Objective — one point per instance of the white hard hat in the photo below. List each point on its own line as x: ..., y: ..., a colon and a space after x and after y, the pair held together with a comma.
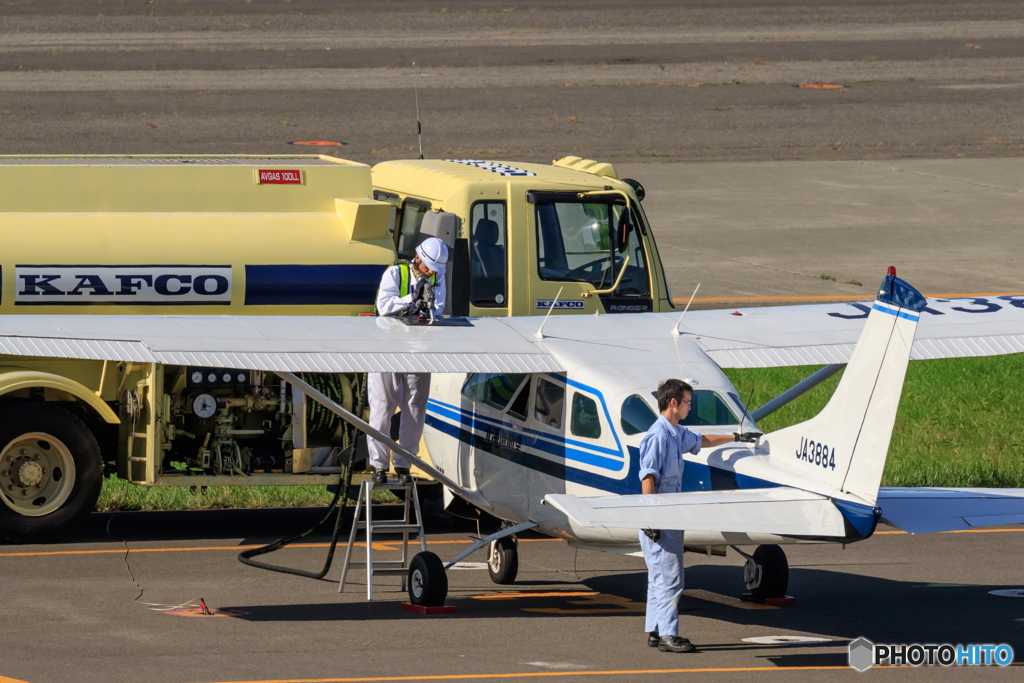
x: 434, y: 254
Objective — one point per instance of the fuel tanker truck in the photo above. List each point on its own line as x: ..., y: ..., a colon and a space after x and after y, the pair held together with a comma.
x: 265, y: 235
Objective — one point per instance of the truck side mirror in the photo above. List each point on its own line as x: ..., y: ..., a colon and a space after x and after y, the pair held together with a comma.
x: 625, y: 227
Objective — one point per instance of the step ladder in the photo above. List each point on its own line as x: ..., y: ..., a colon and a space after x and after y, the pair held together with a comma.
x: 405, y: 525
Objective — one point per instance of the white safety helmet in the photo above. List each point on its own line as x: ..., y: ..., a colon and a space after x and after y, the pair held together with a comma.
x: 434, y: 254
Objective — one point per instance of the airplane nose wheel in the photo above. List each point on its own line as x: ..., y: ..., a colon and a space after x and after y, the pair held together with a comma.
x: 428, y: 583
x: 503, y: 561
x: 766, y: 573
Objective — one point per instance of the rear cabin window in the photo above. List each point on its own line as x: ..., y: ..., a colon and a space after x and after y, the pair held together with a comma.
x: 549, y: 405
x: 585, y: 421
x: 637, y: 416
x: 493, y: 390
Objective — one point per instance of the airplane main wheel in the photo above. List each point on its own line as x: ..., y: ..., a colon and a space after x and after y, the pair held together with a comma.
x: 503, y: 563
x: 51, y: 472
x: 428, y: 582
x: 769, y: 577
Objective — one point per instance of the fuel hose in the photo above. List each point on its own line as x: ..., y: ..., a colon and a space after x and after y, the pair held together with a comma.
x: 344, y: 481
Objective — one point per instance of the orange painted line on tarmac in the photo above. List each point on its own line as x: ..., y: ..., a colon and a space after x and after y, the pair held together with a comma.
x: 4, y: 679
x: 379, y: 545
x: 844, y: 297
x: 538, y: 674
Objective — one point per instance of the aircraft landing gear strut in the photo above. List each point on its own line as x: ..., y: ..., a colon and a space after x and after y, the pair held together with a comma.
x: 428, y: 583
x: 766, y: 573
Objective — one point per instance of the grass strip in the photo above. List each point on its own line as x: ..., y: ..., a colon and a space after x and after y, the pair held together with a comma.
x: 953, y: 427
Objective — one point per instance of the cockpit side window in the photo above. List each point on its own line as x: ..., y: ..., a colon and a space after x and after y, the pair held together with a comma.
x: 493, y: 390
x: 549, y: 405
x: 637, y: 417
x: 707, y: 408
x: 585, y: 420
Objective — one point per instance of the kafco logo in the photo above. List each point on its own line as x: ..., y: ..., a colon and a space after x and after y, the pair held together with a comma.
x: 864, y: 654
x: 134, y: 285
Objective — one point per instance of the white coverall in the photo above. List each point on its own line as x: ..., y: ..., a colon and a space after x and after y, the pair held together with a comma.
x: 661, y: 454
x: 407, y: 391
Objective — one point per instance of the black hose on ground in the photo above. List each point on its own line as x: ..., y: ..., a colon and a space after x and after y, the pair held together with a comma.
x: 344, y: 482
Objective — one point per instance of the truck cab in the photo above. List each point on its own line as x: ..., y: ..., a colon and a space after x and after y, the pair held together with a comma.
x: 571, y: 235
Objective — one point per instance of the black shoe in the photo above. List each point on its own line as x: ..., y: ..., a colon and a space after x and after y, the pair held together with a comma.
x: 403, y: 475
x: 380, y: 476
x: 675, y: 644
x: 653, y: 639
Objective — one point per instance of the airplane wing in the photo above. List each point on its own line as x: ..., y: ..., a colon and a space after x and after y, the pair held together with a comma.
x: 780, y: 510
x: 279, y: 343
x: 826, y: 334
x: 927, y: 510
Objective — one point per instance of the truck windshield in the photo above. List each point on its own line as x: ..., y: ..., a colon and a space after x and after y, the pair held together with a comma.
x: 576, y: 242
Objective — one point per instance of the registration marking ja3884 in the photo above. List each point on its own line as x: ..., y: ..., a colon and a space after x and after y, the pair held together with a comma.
x: 816, y: 453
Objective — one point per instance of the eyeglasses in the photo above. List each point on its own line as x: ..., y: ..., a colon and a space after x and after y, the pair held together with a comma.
x: 686, y: 402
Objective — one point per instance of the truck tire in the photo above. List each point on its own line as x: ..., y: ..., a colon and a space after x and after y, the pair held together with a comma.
x: 51, y: 472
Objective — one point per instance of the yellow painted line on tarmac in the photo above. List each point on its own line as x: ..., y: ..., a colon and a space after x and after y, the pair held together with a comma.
x: 538, y: 674
x: 835, y: 297
x: 513, y: 596
x: 4, y: 679
x: 379, y: 545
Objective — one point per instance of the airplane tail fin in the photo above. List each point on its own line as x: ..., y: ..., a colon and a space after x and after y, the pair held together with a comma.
x: 846, y: 444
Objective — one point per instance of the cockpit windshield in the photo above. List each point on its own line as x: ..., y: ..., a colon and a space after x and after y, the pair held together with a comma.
x: 578, y: 241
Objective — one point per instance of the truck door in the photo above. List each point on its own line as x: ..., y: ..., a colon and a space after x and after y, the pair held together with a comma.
x: 588, y: 244
x: 488, y: 259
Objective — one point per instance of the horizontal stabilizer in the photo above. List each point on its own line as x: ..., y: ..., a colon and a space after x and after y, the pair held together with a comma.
x: 927, y: 510
x: 781, y: 511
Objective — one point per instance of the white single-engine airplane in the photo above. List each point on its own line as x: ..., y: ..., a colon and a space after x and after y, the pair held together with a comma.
x: 541, y: 427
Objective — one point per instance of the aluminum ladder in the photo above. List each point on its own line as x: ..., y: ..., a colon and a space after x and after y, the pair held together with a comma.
x: 405, y: 525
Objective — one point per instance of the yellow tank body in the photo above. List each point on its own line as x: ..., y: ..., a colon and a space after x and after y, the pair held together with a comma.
x: 190, y: 235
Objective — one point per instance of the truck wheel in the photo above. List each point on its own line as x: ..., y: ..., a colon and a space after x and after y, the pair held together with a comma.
x: 503, y: 564
x: 50, y: 472
x: 428, y: 584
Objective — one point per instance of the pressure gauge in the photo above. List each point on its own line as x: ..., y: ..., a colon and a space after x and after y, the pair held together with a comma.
x: 227, y: 377
x: 197, y: 377
x: 204, y: 406
x: 241, y: 378
x: 211, y: 378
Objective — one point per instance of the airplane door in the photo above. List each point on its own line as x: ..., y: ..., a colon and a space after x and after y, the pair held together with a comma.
x: 497, y: 405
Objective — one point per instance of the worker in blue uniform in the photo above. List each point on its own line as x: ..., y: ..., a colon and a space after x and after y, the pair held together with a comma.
x: 401, y: 288
x: 661, y: 471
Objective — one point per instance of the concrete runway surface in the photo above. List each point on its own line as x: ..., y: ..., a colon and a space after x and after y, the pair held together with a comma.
x: 757, y: 187
x: 88, y: 610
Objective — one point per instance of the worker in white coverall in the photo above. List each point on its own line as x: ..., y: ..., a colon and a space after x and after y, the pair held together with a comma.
x: 661, y: 471
x: 401, y: 289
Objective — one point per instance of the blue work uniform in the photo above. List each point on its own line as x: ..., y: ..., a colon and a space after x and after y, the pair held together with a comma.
x: 661, y: 454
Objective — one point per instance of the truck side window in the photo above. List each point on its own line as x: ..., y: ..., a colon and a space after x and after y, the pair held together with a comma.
x: 413, y: 211
x: 393, y: 200
x: 549, y: 404
x: 488, y: 255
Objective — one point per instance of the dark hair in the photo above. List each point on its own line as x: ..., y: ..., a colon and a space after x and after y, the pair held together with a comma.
x: 672, y: 389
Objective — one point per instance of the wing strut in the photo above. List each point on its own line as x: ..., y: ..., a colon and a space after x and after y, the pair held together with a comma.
x: 326, y: 402
x: 797, y: 390
x: 481, y: 542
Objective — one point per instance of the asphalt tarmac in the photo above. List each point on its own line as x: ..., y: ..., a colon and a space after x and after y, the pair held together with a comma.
x: 90, y: 610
